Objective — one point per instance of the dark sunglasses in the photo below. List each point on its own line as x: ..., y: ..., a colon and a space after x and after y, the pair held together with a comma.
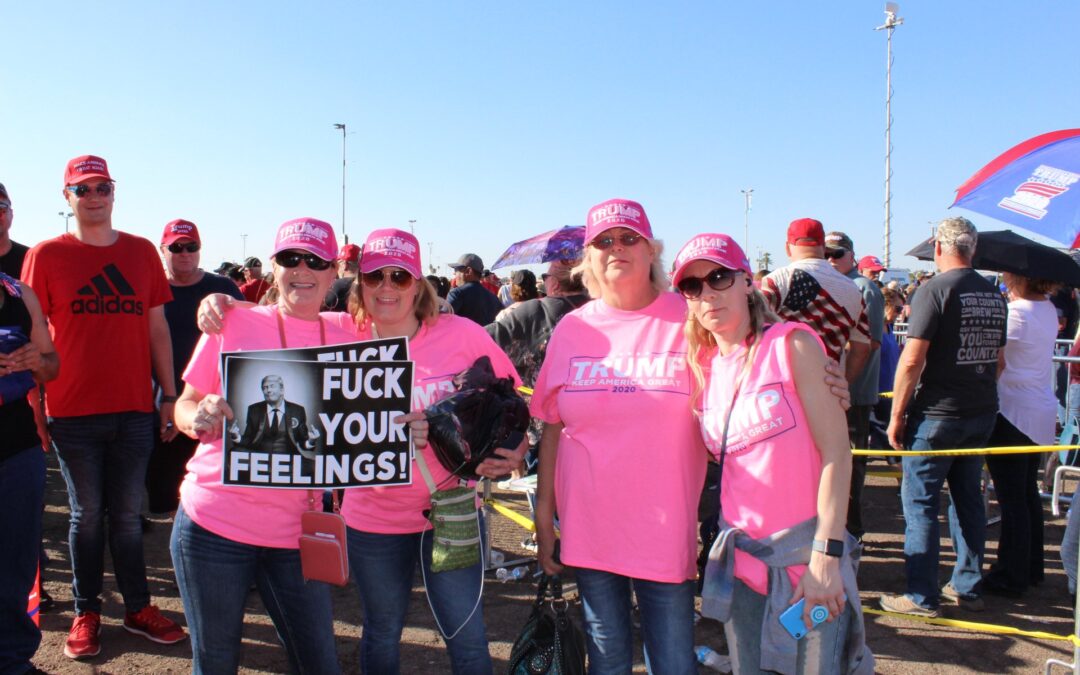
x: 719, y: 280
x: 399, y: 279
x: 835, y: 253
x: 190, y: 247
x: 605, y: 242
x: 103, y: 189
x: 291, y: 259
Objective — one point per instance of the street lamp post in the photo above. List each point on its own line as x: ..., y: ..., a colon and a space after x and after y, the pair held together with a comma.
x: 344, y: 235
x: 891, y: 22
x: 412, y: 223
x: 243, y: 247
x: 747, y: 196
x: 66, y: 216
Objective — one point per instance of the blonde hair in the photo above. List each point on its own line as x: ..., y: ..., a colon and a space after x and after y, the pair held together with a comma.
x: 701, y: 344
x: 425, y: 306
x: 657, y: 276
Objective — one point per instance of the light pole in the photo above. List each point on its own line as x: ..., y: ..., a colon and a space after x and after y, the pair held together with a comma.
x: 66, y: 216
x: 411, y: 226
x: 430, y: 256
x: 243, y: 247
x: 747, y: 196
x: 891, y: 22
x: 344, y: 235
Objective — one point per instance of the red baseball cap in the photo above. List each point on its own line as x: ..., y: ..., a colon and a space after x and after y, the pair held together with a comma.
x: 349, y: 253
x: 85, y: 167
x: 806, y: 232
x: 718, y: 248
x: 871, y: 263
x: 617, y: 213
x: 179, y: 229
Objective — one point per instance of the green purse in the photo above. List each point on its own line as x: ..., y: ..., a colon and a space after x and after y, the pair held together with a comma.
x: 456, y: 524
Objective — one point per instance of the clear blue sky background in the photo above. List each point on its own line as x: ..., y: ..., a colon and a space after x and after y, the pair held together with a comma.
x: 488, y: 122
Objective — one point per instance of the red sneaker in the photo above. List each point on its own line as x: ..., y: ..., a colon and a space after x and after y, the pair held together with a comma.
x: 84, y: 640
x: 149, y: 623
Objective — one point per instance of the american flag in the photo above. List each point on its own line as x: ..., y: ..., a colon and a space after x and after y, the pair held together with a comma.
x: 812, y: 292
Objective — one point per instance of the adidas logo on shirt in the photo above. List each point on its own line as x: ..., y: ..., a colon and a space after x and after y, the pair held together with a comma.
x: 107, y: 293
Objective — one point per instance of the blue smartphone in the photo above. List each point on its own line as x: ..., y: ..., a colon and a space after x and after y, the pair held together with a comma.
x: 792, y: 618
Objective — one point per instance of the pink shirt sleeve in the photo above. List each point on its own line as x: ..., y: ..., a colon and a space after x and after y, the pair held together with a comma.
x: 202, y: 371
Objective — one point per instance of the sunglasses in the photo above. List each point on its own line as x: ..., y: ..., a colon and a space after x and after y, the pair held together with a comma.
x: 190, y: 247
x: 399, y: 279
x: 719, y: 280
x: 80, y: 191
x: 835, y: 253
x: 605, y: 242
x: 291, y: 259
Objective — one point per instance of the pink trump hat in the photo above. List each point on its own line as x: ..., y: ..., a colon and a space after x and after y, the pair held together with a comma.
x: 391, y: 248
x: 718, y: 248
x: 307, y: 234
x: 617, y: 213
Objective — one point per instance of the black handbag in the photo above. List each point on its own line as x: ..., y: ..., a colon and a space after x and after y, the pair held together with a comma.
x: 550, y: 642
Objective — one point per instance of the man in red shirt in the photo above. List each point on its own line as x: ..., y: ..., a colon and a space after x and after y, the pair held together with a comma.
x: 103, y: 293
x: 254, y: 286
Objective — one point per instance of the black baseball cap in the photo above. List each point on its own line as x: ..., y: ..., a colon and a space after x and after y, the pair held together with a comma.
x: 470, y: 260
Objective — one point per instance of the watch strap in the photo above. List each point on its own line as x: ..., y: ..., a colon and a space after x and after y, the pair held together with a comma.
x: 831, y: 547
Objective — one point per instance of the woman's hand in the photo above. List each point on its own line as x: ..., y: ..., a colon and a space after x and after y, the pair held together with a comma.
x: 210, y: 416
x: 505, y: 460
x: 821, y: 585
x: 838, y: 384
x: 546, y: 544
x: 211, y: 314
x: 418, y: 426
x: 26, y: 357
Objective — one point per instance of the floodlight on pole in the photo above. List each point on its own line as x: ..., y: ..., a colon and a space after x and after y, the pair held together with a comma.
x: 891, y: 22
x: 66, y: 216
x: 344, y: 235
x: 748, y: 198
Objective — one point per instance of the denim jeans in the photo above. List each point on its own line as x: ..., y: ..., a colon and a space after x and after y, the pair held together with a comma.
x: 1070, y: 545
x: 384, y: 566
x: 921, y: 495
x: 103, y: 460
x: 822, y: 650
x: 22, y: 488
x: 214, y: 575
x: 667, y: 623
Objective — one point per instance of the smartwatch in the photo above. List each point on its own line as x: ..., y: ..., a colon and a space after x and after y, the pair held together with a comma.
x: 833, y: 548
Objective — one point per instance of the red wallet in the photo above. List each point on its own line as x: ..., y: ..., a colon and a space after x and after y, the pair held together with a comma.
x: 324, y: 554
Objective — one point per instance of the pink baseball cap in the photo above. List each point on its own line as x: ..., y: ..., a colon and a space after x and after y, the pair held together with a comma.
x: 718, y: 248
x: 617, y: 213
x: 307, y: 234
x: 871, y: 263
x: 179, y: 229
x: 391, y: 248
x: 85, y: 167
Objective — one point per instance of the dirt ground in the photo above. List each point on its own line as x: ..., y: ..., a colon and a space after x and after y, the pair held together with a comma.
x: 900, y: 646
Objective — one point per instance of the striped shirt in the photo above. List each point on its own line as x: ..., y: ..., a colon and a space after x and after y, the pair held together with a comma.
x: 810, y: 291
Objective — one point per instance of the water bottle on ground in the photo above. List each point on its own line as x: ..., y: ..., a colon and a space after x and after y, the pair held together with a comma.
x: 712, y: 660
x: 516, y: 574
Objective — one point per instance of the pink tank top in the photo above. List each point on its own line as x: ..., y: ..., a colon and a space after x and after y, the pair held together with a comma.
x: 773, y: 468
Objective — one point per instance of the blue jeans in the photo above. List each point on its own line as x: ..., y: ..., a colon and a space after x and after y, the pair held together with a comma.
x: 921, y: 496
x: 214, y: 575
x: 667, y: 623
x: 384, y: 566
x: 22, y: 489
x: 103, y: 459
x: 822, y: 650
x: 1070, y: 545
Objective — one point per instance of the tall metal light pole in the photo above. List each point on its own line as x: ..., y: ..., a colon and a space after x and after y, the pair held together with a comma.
x: 344, y: 235
x: 747, y: 196
x: 243, y: 247
x: 891, y: 22
x: 412, y: 223
x: 66, y: 216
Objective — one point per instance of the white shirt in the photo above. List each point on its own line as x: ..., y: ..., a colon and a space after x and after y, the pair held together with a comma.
x: 1025, y: 389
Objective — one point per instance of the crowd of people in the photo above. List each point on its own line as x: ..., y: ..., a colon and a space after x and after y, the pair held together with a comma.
x: 688, y: 431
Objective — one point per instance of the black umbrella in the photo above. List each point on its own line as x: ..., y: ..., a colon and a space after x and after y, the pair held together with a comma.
x: 1006, y: 251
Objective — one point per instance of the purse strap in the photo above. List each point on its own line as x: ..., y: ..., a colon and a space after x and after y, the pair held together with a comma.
x: 333, y: 499
x: 747, y: 363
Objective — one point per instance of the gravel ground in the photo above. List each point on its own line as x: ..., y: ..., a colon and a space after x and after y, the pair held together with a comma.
x: 900, y: 646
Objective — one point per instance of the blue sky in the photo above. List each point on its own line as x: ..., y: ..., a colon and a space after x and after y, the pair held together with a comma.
x: 488, y: 122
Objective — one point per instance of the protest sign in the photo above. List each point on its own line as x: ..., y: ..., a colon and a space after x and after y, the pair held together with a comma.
x: 319, y: 417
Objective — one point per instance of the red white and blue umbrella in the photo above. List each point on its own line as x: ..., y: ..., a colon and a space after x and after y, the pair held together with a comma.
x: 565, y: 243
x: 1035, y: 185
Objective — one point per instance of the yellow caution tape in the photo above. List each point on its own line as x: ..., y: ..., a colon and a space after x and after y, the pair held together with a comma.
x: 513, y: 515
x: 886, y: 473
x: 885, y: 394
x: 975, y: 626
x: 525, y: 390
x: 1003, y: 450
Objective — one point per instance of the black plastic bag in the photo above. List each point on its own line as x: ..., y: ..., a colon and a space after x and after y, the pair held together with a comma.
x: 485, y: 413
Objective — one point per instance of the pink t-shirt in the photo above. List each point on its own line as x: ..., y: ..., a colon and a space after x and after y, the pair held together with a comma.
x: 439, y: 353
x: 630, y: 462
x: 255, y: 516
x: 773, y: 468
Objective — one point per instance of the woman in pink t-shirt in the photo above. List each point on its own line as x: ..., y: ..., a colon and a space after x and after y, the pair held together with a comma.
x: 769, y: 418
x: 620, y: 457
x: 226, y: 538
